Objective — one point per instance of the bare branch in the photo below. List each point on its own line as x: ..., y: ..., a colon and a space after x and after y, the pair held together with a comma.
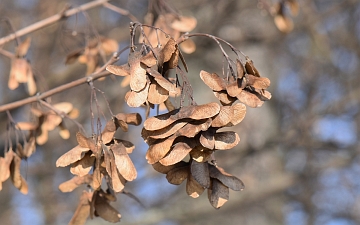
x: 51, y: 20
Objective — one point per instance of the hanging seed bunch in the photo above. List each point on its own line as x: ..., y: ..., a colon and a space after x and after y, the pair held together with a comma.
x: 94, y: 53
x: 107, y: 157
x: 21, y: 71
x: 246, y: 85
x: 192, y: 131
x: 10, y: 164
x: 148, y: 73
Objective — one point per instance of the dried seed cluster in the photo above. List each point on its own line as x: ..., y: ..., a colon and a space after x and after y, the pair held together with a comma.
x: 94, y: 51
x: 148, y: 74
x: 107, y: 157
x: 200, y: 176
x: 48, y: 121
x: 247, y: 86
x: 11, y: 162
x: 192, y: 131
x: 21, y: 71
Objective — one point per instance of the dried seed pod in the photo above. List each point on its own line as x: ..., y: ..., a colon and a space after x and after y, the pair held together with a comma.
x: 104, y: 209
x: 226, y: 140
x: 123, y: 162
x: 84, y: 165
x: 193, y: 188
x: 178, y: 152
x: 200, y: 171
x: 71, y: 156
x: 82, y: 211
x: 178, y: 174
x: 76, y: 181
x: 227, y: 179
x: 213, y: 80
x: 218, y: 194
x: 196, y: 112
x: 165, y: 169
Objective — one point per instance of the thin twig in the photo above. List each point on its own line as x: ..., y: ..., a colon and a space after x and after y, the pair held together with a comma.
x: 51, y: 20
x: 120, y: 11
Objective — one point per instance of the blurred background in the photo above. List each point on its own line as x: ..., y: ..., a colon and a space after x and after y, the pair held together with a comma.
x: 299, y: 153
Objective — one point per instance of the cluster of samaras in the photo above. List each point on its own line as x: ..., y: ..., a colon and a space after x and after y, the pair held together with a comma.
x: 107, y: 157
x: 148, y: 74
x: 191, y: 133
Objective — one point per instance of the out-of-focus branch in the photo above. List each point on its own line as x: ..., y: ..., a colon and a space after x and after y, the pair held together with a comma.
x: 51, y: 20
x: 100, y: 73
x: 120, y: 11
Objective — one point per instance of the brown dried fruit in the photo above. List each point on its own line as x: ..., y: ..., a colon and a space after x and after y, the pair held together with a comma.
x: 104, y: 209
x: 123, y: 162
x: 193, y: 188
x: 213, y: 80
x: 200, y: 171
x: 76, y: 181
x: 226, y: 140
x: 196, y: 112
x: 178, y: 174
x: 136, y: 99
x: 71, y: 156
x: 178, y: 152
x: 227, y: 179
x: 82, y: 211
x: 84, y: 165
x: 165, y: 169
x: 219, y: 194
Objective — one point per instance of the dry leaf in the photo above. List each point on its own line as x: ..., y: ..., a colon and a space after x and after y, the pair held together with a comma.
x: 109, y: 45
x: 109, y: 130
